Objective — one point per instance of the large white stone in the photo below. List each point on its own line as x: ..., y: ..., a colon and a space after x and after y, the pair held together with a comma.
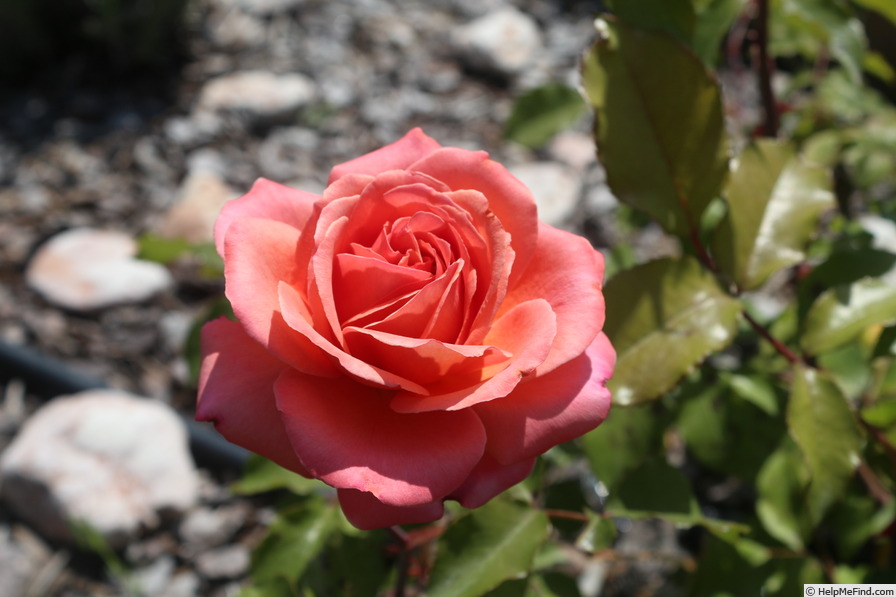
x: 506, y: 41
x: 557, y: 189
x: 108, y: 458
x: 257, y: 94
x: 83, y: 269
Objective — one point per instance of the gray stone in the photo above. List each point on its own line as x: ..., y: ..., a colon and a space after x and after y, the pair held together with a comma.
x: 230, y: 561
x: 107, y: 458
x: 557, y: 189
x: 257, y: 95
x: 83, y: 269
x: 506, y: 41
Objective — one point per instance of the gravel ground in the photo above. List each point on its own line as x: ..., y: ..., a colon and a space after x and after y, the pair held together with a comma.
x: 85, y: 151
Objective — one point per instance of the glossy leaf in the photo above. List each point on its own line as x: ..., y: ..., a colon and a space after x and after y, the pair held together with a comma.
x: 541, y: 113
x: 840, y: 314
x: 487, y: 547
x: 885, y: 7
x: 664, y: 318
x: 825, y: 429
x: 294, y: 540
x: 623, y: 442
x: 659, y: 124
x: 781, y: 505
x: 774, y: 202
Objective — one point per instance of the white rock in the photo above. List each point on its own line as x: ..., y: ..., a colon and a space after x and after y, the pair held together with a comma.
x: 574, y: 148
x: 108, y: 458
x: 84, y: 269
x: 506, y: 41
x: 230, y: 561
x: 556, y: 187
x: 257, y: 94
x: 202, y: 195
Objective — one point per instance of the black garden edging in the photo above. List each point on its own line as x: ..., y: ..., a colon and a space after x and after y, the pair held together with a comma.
x: 47, y: 378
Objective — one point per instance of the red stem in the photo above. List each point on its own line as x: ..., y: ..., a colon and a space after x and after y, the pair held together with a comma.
x: 765, y: 70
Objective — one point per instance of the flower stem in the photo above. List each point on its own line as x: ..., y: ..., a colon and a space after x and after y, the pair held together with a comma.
x: 765, y: 70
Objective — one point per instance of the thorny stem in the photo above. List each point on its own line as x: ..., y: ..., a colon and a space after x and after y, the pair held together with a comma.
x: 782, y: 349
x: 765, y: 70
x: 403, y: 562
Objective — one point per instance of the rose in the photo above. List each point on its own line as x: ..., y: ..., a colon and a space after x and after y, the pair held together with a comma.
x: 414, y: 334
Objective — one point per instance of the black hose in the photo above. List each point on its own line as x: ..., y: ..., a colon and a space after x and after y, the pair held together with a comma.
x: 47, y: 378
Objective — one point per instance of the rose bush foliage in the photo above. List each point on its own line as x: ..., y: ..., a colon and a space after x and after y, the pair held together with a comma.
x: 414, y: 334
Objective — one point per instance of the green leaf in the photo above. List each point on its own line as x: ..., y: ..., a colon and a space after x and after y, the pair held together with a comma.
x: 826, y: 431
x: 675, y: 17
x: 723, y: 571
x: 840, y: 314
x: 885, y: 7
x: 714, y: 20
x: 541, y: 113
x: 659, y: 124
x: 727, y: 433
x: 599, y: 534
x: 781, y: 503
x: 857, y: 518
x: 260, y: 475
x: 294, y: 540
x: 848, y: 43
x: 664, y: 318
x: 774, y: 202
x: 483, y: 549
x: 623, y: 442
x: 160, y: 249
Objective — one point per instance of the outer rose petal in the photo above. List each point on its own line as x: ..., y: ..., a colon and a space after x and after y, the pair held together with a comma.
x: 243, y: 407
x: 347, y: 436
x: 490, y: 478
x: 259, y: 255
x: 567, y: 272
x: 395, y: 156
x: 269, y: 201
x: 564, y: 404
x: 366, y: 512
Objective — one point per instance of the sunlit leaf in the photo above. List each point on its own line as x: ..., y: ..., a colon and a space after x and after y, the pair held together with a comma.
x: 541, y: 113
x: 487, y: 547
x: 664, y: 318
x: 825, y: 429
x: 840, y: 314
x: 261, y: 475
x: 294, y: 540
x: 774, y: 202
x: 659, y: 124
x: 160, y: 249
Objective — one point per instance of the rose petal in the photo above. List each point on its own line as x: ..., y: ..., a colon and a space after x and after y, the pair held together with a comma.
x: 362, y: 283
x: 490, y: 478
x: 551, y: 409
x: 567, y: 272
x: 425, y: 361
x: 259, y: 255
x: 367, y: 513
x: 346, y: 434
x: 508, y: 198
x: 526, y: 332
x: 296, y: 317
x: 269, y: 201
x: 396, y: 156
x: 243, y: 407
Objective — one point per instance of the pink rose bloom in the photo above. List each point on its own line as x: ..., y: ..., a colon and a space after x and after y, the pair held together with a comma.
x: 413, y: 335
